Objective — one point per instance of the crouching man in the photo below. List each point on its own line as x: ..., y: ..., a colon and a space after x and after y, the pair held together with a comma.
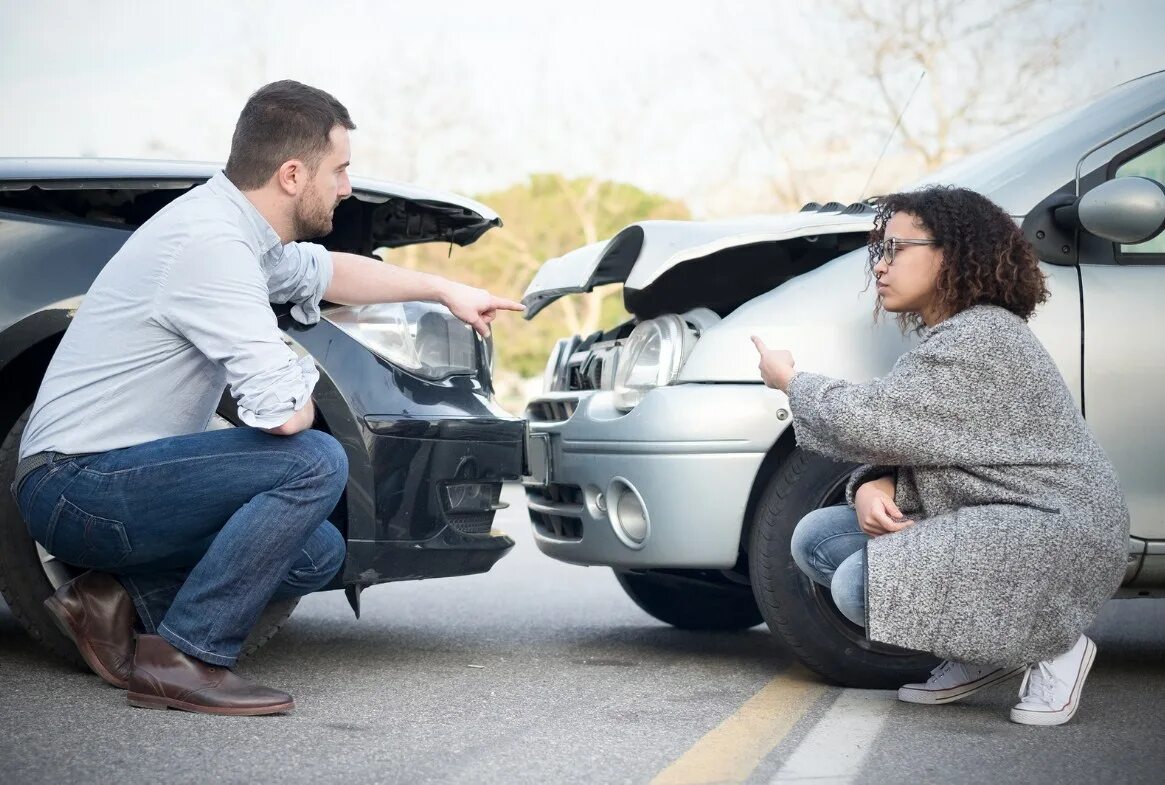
x: 189, y: 534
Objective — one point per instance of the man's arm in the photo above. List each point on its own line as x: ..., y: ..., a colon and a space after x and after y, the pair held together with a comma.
x: 216, y: 297
x: 360, y: 280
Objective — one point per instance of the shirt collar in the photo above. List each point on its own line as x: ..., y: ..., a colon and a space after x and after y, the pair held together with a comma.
x: 266, y: 237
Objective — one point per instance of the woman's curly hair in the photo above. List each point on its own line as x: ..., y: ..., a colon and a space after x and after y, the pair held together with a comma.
x: 986, y: 259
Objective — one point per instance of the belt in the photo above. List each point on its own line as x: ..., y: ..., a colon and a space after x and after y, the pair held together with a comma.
x: 31, y: 464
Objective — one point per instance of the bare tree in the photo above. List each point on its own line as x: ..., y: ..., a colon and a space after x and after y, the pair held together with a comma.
x: 986, y: 67
x: 976, y: 72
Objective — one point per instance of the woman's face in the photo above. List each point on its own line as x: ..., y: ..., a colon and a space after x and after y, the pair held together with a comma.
x: 907, y: 283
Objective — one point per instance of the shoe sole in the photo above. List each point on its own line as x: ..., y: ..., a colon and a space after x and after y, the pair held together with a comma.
x: 952, y: 694
x: 1047, y: 718
x: 155, y: 702
x: 65, y: 623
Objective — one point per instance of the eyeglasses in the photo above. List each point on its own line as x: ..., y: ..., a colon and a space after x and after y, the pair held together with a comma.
x: 893, y: 245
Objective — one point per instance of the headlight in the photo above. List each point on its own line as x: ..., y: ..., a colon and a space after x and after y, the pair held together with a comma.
x: 651, y: 357
x: 424, y: 339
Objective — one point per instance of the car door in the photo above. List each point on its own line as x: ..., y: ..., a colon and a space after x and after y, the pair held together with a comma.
x: 1123, y: 293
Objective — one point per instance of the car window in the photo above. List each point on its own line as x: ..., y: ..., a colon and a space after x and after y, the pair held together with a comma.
x: 1151, y: 164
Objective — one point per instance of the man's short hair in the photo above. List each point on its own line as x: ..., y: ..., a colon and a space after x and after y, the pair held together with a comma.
x: 282, y: 121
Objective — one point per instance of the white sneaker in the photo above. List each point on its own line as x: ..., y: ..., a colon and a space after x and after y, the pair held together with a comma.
x: 1050, y: 693
x: 952, y: 680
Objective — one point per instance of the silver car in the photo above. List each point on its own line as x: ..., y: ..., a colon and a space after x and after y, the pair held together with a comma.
x: 655, y: 449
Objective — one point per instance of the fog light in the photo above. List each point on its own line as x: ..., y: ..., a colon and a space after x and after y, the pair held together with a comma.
x: 470, y: 497
x: 628, y: 513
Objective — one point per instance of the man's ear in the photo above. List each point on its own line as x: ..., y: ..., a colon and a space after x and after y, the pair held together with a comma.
x: 291, y: 176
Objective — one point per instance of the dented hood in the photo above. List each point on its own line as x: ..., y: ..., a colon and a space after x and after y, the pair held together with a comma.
x: 639, y: 254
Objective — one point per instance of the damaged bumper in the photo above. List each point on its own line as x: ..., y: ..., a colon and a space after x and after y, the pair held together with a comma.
x: 436, y: 488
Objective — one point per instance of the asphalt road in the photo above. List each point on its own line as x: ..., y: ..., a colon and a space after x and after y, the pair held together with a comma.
x: 539, y: 672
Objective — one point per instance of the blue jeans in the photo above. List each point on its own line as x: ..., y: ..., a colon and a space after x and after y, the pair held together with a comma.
x: 830, y: 548
x: 202, y: 530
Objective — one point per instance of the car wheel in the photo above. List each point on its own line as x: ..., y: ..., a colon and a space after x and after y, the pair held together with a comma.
x: 799, y: 611
x: 691, y: 599
x: 29, y: 573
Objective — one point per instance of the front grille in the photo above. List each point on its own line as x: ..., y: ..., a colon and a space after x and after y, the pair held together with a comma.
x: 593, y: 369
x: 556, y: 511
x: 558, y: 410
x: 587, y: 364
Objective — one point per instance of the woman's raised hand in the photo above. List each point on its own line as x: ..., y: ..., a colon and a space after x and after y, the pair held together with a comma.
x: 776, y: 365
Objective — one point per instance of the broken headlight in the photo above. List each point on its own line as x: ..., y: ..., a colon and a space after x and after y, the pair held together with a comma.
x: 422, y: 338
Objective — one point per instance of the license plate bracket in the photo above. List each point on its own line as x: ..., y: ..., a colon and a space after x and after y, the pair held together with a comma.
x: 537, y: 459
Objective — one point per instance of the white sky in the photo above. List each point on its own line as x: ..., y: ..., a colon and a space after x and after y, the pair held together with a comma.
x: 458, y: 95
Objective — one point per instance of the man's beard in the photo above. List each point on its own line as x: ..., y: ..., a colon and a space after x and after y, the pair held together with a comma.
x: 312, y: 217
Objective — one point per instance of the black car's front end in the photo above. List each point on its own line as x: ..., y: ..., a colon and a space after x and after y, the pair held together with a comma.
x: 407, y: 390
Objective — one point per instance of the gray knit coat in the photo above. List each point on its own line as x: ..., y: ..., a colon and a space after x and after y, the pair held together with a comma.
x: 1022, y: 529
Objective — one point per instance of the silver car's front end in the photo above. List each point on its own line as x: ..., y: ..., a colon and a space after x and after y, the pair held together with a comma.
x: 663, y: 485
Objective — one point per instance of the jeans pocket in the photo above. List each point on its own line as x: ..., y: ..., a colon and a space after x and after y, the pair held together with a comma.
x: 84, y: 539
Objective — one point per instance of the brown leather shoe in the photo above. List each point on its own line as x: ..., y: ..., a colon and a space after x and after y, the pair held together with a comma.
x: 166, y: 678
x: 96, y: 614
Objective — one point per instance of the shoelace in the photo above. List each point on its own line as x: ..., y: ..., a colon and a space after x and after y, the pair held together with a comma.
x: 940, y: 671
x: 1039, y: 685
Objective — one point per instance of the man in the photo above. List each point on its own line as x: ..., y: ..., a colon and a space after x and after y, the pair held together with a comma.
x: 189, y: 534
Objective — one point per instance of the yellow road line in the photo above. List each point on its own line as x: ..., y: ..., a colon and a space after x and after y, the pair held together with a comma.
x: 730, y: 751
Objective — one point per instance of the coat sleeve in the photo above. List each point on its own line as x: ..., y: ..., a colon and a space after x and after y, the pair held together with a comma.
x: 863, y: 475
x: 926, y: 411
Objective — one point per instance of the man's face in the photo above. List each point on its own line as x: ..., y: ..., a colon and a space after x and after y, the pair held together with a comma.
x: 326, y: 189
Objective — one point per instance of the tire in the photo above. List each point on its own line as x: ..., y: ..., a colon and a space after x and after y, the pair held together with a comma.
x: 29, y: 574
x: 691, y: 599
x: 802, y: 613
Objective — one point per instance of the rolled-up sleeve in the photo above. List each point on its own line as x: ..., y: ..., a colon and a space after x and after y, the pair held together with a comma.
x: 216, y: 297
x: 301, y: 276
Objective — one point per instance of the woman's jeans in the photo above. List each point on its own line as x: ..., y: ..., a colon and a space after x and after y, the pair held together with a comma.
x: 830, y: 548
x: 202, y: 530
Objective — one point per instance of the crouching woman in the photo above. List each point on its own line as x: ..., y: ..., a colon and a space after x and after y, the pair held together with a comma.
x: 986, y: 525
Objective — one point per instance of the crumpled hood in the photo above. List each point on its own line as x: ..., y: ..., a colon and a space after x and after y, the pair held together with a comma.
x: 639, y: 254
x: 393, y: 214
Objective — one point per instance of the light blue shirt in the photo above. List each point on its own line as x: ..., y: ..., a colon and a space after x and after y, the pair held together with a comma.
x: 180, y: 312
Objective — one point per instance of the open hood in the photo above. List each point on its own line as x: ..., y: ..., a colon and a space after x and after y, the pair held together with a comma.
x: 644, y: 253
x: 379, y: 214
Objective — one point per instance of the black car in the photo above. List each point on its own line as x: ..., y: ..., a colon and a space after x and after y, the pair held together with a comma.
x: 405, y: 388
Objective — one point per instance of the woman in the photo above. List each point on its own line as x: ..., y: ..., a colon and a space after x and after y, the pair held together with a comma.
x: 986, y: 526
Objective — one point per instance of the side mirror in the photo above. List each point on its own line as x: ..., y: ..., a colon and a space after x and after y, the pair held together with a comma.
x: 1126, y: 210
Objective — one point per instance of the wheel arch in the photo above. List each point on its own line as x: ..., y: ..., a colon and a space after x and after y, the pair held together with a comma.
x: 26, y: 347
x: 781, y: 449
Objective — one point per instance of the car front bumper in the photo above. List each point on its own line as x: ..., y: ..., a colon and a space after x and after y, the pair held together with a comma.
x: 688, y: 453
x: 435, y: 487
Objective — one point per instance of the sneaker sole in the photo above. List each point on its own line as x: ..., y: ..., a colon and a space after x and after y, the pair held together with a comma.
x: 1046, y: 718
x: 142, y: 701
x: 64, y: 623
x: 952, y: 694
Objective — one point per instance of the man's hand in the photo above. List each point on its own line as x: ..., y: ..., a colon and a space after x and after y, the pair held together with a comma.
x: 876, y: 510
x: 475, y: 307
x: 776, y: 365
